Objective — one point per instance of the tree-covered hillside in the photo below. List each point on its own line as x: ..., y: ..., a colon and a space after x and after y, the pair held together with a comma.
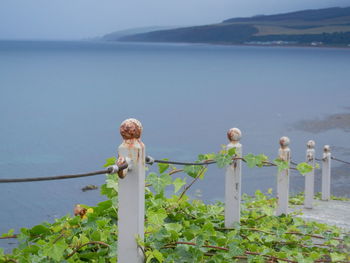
x: 322, y: 27
x: 304, y: 15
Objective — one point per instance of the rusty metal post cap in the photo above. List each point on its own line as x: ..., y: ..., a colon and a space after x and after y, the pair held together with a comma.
x: 326, y: 148
x: 311, y: 144
x: 234, y: 134
x: 284, y: 142
x: 131, y: 129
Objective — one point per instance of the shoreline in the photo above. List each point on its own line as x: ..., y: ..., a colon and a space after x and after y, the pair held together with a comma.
x: 176, y: 43
x: 228, y: 44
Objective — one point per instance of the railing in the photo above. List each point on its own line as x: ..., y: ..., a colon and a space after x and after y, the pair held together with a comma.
x: 130, y: 167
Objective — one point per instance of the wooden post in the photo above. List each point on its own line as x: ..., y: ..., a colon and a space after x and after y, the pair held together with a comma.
x: 283, y: 178
x: 310, y: 177
x: 326, y: 173
x: 131, y: 193
x: 233, y: 180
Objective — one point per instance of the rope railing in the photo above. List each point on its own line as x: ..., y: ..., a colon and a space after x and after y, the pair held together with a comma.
x: 131, y: 193
x: 294, y: 163
x: 114, y: 169
x: 109, y: 170
x: 335, y: 159
x: 150, y: 160
x: 338, y: 160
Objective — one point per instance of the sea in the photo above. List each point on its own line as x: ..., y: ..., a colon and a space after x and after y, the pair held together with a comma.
x: 62, y: 102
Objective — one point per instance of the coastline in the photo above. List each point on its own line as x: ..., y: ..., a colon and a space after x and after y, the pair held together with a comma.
x: 174, y: 43
x: 231, y: 44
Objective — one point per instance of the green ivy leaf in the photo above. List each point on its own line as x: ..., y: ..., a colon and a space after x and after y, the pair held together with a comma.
x: 337, y: 257
x: 110, y: 193
x: 256, y: 259
x: 110, y: 161
x: 166, y: 179
x: 208, y: 156
x: 173, y: 227
x: 255, y: 160
x: 158, y: 255
x: 261, y: 159
x: 39, y: 229
x: 178, y: 183
x: 235, y: 250
x: 315, y: 255
x: 157, y: 182
x: 222, y: 160
x: 157, y: 217
x: 149, y: 256
x: 304, y: 168
x: 9, y: 233
x: 250, y: 160
x: 56, y: 251
x: 113, y: 184
x: 162, y: 167
x: 104, y: 205
x: 232, y: 151
x: 192, y: 170
x: 281, y: 165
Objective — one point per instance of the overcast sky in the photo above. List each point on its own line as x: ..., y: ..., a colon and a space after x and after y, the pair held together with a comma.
x: 76, y: 19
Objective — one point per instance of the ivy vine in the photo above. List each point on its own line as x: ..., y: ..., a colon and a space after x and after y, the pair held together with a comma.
x: 180, y: 229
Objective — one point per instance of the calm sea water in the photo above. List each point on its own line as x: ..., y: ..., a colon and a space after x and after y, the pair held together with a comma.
x: 61, y: 104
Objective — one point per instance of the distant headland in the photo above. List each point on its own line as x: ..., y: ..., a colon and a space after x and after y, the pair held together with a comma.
x: 329, y: 27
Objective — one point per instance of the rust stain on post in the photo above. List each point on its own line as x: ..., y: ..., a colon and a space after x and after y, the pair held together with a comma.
x: 131, y: 129
x: 327, y: 149
x: 121, y: 161
x: 284, y: 142
x: 234, y: 135
x: 310, y: 144
x: 284, y: 153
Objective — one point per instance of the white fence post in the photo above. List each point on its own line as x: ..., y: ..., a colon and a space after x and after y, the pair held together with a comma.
x: 131, y: 193
x: 233, y: 181
x: 310, y: 177
x: 283, y: 178
x: 326, y: 173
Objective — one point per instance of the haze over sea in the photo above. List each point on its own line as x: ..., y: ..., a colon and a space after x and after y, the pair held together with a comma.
x: 61, y: 104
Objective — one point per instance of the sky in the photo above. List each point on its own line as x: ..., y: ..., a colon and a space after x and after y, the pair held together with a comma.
x: 79, y: 19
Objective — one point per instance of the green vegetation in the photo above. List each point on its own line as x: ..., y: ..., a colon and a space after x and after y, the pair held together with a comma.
x: 334, y: 39
x: 304, y: 15
x: 178, y: 229
x: 299, y: 198
x: 220, y: 33
x: 322, y: 27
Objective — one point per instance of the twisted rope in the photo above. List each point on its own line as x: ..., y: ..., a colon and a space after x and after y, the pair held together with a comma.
x: 61, y: 177
x: 336, y: 159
